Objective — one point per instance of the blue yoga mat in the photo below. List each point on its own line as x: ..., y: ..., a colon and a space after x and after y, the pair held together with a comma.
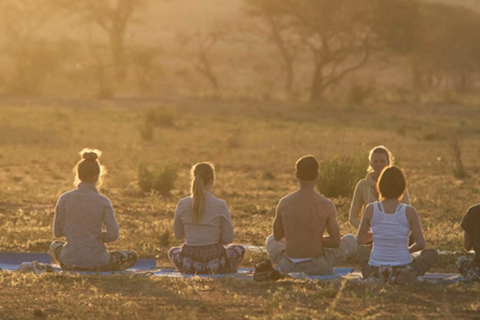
x: 142, y: 264
x: 337, y: 273
x: 11, y: 260
x: 173, y: 273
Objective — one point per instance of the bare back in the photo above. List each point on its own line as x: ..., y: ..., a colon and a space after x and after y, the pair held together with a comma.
x: 302, y: 217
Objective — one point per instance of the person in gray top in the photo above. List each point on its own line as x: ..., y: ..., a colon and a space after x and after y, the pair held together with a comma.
x: 205, y: 223
x: 87, y: 220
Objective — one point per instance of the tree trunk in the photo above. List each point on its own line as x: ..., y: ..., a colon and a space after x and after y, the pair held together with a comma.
x: 289, y: 78
x: 317, y: 88
x: 118, y: 54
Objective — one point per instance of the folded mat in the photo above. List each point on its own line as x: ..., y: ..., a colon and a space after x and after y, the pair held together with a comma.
x: 12, y: 260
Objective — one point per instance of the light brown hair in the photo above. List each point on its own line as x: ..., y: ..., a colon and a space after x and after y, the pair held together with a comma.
x: 382, y: 150
x: 202, y: 174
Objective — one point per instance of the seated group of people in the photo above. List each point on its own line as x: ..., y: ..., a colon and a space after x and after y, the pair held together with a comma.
x: 389, y: 229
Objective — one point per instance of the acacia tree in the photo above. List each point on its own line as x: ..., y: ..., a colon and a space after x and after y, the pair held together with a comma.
x: 205, y: 44
x: 113, y: 17
x: 441, y: 42
x: 277, y: 29
x: 337, y: 32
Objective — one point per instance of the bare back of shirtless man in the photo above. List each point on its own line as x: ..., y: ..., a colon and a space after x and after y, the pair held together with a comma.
x: 297, y: 243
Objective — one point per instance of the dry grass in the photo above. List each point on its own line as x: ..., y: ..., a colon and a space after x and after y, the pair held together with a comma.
x: 254, y: 148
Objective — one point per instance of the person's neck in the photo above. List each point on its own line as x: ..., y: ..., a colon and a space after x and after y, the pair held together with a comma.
x: 307, y: 185
x: 390, y: 200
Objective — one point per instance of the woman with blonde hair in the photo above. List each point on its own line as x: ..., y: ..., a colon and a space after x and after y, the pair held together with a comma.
x: 87, y: 220
x: 366, y: 192
x: 205, y: 223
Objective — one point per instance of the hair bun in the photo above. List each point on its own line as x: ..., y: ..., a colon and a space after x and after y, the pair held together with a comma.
x: 90, y: 156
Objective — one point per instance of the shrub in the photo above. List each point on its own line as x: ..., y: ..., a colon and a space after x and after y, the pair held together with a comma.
x: 359, y: 93
x: 146, y: 130
x: 160, y: 118
x: 160, y: 178
x: 338, y: 176
x: 155, y: 118
x: 456, y: 152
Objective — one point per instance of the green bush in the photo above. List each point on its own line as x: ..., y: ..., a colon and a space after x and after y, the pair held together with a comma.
x: 338, y: 176
x: 160, y: 178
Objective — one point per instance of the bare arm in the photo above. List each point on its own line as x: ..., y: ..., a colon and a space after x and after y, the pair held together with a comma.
x: 467, y: 241
x: 406, y: 198
x: 278, y: 232
x: 412, y: 217
x: 59, y: 219
x: 364, y: 235
x: 226, y: 226
x: 111, y: 232
x: 356, y: 207
x: 333, y: 230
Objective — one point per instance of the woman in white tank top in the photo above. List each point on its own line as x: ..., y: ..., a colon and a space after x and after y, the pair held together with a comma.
x: 391, y: 223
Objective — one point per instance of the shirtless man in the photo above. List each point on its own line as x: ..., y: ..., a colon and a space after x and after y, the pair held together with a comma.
x: 297, y: 243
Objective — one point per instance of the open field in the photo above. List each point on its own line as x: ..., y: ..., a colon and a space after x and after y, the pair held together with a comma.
x: 254, y: 146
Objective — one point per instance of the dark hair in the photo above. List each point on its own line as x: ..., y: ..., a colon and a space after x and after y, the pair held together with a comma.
x: 392, y: 183
x: 306, y: 168
x: 202, y: 175
x: 88, y: 169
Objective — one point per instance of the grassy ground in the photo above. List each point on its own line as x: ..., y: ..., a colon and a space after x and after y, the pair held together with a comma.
x: 254, y: 147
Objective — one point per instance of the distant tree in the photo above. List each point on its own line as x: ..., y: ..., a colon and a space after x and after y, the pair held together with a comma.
x: 338, y: 34
x: 205, y: 44
x: 146, y: 69
x: 441, y: 42
x: 452, y: 39
x: 277, y: 29
x: 113, y: 17
x: 33, y: 58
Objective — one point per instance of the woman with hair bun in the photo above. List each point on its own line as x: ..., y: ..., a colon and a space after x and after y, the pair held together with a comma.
x: 87, y: 220
x: 205, y: 223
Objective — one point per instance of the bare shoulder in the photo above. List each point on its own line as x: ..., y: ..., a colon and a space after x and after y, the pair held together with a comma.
x: 369, y: 210
x: 410, y: 211
x: 325, y: 204
x: 288, y: 199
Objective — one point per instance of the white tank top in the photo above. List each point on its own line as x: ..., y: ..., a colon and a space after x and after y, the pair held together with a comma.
x: 390, y: 237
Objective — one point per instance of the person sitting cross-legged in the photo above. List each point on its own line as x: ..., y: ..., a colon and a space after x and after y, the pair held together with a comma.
x: 87, y: 221
x: 470, y: 267
x: 391, y: 223
x: 205, y: 223
x: 297, y: 243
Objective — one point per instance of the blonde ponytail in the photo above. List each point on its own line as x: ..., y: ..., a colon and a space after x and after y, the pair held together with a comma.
x: 202, y: 175
x: 198, y: 198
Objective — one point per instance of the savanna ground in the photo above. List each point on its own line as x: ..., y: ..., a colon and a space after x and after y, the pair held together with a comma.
x: 254, y: 147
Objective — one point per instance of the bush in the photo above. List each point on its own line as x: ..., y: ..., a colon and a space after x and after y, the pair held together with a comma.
x: 160, y: 118
x: 359, y: 93
x: 146, y: 130
x: 338, y: 176
x: 153, y: 118
x: 160, y: 178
